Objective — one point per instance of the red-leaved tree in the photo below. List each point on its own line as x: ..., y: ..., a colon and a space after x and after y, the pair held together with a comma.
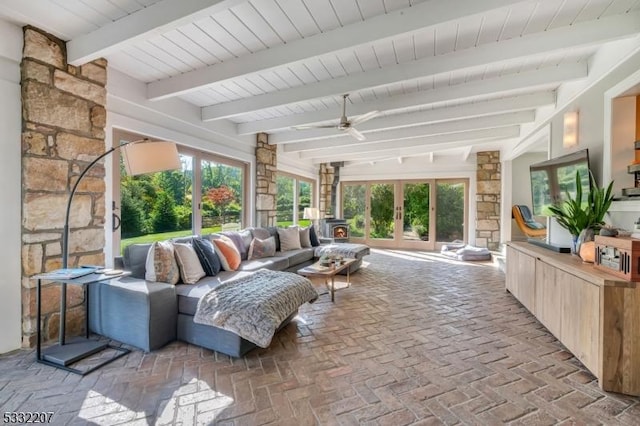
x: 221, y: 197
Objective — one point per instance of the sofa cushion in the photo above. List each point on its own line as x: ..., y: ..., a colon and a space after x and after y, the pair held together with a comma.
x: 161, y: 265
x: 207, y: 256
x: 135, y: 258
x: 273, y: 231
x: 188, y: 263
x: 305, y: 238
x: 289, y: 239
x: 189, y: 295
x: 227, y: 252
x: 313, y: 236
x: 296, y: 257
x: 262, y: 233
x: 238, y: 241
x: 274, y: 263
x: 262, y: 248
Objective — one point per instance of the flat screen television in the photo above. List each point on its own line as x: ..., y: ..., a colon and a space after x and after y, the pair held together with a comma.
x: 551, y: 180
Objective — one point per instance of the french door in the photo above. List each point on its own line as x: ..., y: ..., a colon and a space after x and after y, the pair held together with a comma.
x: 418, y: 214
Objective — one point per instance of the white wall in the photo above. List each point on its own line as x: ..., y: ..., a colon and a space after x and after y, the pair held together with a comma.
x: 10, y: 196
x: 521, y: 190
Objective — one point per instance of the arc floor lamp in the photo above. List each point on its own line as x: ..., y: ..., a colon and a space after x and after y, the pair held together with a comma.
x: 140, y: 157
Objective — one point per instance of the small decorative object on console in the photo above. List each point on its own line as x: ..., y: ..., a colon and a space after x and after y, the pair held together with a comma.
x: 619, y: 256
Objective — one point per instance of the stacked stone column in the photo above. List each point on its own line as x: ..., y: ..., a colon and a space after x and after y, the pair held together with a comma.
x: 326, y: 180
x: 63, y: 120
x: 266, y: 188
x: 488, y: 200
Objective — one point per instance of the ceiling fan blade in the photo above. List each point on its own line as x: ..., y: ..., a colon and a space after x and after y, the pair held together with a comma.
x: 356, y: 134
x: 364, y: 117
x: 327, y: 126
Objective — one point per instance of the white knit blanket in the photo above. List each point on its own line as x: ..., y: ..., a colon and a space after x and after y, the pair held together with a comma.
x: 253, y: 307
x: 340, y: 249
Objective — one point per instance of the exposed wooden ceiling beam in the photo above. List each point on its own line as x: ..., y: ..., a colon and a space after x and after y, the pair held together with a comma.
x: 579, y: 34
x: 489, y: 87
x: 408, y: 152
x: 424, y: 141
x: 476, y: 109
x: 419, y: 16
x: 457, y: 126
x: 158, y: 18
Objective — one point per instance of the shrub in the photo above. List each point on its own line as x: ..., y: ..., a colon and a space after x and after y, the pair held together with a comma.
x: 163, y: 215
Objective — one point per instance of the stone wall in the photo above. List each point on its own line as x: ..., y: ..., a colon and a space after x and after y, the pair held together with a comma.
x: 488, y: 200
x: 63, y: 120
x: 326, y: 180
x: 266, y: 188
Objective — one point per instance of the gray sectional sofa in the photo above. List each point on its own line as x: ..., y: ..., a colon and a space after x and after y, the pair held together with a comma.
x: 149, y: 315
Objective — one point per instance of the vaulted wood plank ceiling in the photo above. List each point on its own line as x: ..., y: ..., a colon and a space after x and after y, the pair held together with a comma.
x: 445, y: 76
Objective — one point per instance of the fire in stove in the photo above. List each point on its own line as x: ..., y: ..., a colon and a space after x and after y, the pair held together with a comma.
x: 340, y: 231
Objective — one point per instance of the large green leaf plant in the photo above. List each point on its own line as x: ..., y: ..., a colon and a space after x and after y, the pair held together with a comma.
x: 574, y: 216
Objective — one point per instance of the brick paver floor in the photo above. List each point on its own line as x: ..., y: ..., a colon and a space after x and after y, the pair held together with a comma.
x: 416, y: 339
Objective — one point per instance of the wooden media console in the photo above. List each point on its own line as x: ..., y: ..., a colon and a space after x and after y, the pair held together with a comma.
x: 594, y: 314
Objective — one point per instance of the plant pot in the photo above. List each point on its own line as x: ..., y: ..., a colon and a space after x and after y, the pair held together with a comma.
x: 586, y: 236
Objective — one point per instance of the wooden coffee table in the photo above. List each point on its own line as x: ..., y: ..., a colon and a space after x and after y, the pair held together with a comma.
x: 327, y: 272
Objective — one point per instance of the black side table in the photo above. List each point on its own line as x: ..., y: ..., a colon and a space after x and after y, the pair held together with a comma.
x: 63, y: 354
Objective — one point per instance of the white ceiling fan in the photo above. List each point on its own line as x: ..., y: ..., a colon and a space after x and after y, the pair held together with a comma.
x: 345, y: 124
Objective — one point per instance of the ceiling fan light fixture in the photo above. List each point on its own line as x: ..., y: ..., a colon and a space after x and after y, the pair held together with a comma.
x: 345, y: 124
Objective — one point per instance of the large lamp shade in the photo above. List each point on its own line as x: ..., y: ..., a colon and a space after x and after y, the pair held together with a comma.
x: 311, y: 213
x: 150, y: 157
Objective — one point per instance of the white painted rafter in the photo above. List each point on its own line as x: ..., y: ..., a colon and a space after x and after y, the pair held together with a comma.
x: 426, y: 142
x: 477, y: 109
x: 158, y: 18
x: 488, y: 87
x: 391, y: 153
x: 456, y: 126
x: 579, y: 34
x: 416, y: 17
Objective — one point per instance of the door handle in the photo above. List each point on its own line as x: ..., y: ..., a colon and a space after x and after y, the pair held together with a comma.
x: 116, y: 222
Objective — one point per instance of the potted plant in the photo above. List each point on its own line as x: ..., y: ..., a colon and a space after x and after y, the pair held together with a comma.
x: 576, y: 216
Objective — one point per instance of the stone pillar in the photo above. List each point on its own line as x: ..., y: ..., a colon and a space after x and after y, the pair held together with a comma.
x: 326, y: 180
x: 266, y: 188
x: 63, y: 120
x: 488, y: 200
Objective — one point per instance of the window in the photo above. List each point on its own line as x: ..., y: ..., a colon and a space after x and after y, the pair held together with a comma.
x: 222, y: 194
x: 294, y: 193
x: 206, y: 195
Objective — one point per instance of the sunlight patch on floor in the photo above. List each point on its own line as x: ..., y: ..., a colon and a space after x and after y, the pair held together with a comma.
x: 192, y: 399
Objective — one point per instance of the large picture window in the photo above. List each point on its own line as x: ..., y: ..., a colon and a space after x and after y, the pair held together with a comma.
x: 294, y: 194
x: 206, y: 195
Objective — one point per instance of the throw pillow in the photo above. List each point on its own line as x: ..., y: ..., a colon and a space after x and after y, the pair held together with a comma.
x: 227, y: 252
x: 305, y: 238
x: 289, y: 239
x: 238, y: 241
x: 207, y: 255
x: 262, y: 248
x: 188, y: 263
x: 161, y: 265
x: 262, y: 233
x: 315, y: 242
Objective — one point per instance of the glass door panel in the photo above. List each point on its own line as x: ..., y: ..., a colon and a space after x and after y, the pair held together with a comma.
x: 450, y: 211
x: 354, y: 200
x: 304, y: 201
x: 416, y: 211
x: 383, y: 211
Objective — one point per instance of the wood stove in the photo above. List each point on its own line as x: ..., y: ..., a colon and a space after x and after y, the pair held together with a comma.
x: 334, y: 230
